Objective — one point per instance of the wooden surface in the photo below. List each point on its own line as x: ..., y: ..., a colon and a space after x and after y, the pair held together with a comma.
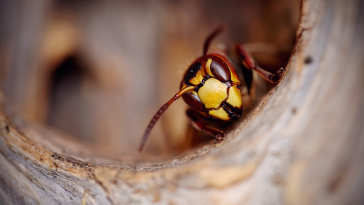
x: 302, y: 145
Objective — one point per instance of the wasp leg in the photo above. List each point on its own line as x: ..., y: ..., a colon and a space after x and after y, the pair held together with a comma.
x: 197, y: 121
x: 250, y: 64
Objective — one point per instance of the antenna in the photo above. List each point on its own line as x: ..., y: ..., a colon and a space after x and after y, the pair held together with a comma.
x: 159, y: 114
x: 206, y: 45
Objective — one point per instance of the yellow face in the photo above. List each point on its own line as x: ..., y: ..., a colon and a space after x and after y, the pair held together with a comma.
x: 213, y: 93
x: 217, y: 88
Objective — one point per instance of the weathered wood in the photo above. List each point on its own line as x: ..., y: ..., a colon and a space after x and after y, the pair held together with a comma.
x: 302, y: 145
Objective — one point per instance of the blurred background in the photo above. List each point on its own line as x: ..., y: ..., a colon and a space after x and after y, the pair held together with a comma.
x: 98, y: 70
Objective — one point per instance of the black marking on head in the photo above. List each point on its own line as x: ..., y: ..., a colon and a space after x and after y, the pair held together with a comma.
x: 7, y: 128
x: 234, y: 113
x: 202, y: 82
x: 191, y: 72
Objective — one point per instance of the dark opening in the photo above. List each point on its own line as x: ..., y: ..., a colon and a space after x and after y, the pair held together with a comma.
x: 66, y: 106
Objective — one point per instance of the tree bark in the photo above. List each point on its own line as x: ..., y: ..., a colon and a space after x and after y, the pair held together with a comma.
x: 303, y: 144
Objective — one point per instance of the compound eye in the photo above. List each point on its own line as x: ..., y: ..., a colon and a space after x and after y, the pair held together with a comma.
x: 193, y: 101
x: 220, y: 70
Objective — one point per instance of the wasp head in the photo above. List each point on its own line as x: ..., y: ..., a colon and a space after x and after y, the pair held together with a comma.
x: 217, y: 88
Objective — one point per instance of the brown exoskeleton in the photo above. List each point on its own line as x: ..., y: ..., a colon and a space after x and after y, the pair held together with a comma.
x: 211, y: 88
